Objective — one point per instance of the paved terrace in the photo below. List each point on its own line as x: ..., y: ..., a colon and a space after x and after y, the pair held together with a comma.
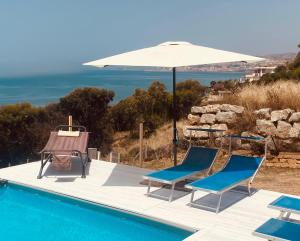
x: 120, y: 186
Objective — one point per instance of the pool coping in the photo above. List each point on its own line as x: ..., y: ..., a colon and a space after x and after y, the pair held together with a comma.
x: 130, y: 212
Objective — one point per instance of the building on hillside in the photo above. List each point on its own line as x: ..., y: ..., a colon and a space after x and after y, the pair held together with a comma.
x: 257, y: 72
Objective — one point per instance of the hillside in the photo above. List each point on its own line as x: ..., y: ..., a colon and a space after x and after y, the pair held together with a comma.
x: 271, y: 60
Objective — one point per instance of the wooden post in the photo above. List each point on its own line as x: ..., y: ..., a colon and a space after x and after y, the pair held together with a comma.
x: 141, y: 144
x: 70, y: 122
x: 146, y: 151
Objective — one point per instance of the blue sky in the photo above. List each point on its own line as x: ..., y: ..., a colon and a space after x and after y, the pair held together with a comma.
x: 43, y: 36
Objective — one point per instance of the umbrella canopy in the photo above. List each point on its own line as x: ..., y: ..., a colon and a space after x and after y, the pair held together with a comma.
x: 173, y: 55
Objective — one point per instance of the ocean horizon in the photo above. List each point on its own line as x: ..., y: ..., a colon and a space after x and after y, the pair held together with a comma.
x: 40, y: 90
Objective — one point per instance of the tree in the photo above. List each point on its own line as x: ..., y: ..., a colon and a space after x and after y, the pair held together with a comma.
x: 19, y: 138
x: 125, y: 114
x: 189, y: 93
x: 90, y: 108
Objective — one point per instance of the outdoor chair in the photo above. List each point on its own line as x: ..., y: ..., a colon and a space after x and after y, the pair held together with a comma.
x: 238, y: 169
x: 282, y: 228
x: 197, y: 159
x: 63, y: 145
x: 286, y: 205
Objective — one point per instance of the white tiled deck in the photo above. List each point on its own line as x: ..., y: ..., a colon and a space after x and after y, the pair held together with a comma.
x: 119, y: 186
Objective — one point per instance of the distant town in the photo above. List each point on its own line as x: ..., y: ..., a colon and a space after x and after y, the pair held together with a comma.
x: 271, y: 60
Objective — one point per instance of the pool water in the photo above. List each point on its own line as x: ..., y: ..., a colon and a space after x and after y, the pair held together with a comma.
x: 28, y: 214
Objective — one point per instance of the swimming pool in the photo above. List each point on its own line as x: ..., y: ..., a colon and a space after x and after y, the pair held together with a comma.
x: 28, y: 214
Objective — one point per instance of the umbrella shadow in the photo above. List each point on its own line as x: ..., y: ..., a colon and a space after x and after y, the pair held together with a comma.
x: 122, y: 175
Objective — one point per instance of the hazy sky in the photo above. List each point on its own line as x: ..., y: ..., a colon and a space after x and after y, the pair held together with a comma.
x: 51, y: 36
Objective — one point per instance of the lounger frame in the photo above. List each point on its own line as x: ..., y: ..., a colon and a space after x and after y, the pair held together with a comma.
x: 173, y: 182
x: 220, y: 193
x: 47, y: 156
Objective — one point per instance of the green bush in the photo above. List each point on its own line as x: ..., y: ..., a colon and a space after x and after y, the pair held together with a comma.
x: 189, y: 93
x: 154, y: 106
x: 19, y: 132
x: 90, y: 108
x: 151, y: 106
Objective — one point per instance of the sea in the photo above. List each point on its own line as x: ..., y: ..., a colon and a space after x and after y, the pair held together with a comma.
x: 40, y: 90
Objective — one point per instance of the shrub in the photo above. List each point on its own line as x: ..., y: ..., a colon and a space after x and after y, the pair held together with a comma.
x: 19, y: 133
x: 189, y: 93
x: 151, y: 106
x: 154, y: 106
x: 90, y: 108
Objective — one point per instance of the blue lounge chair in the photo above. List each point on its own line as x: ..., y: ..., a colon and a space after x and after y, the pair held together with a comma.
x: 279, y: 230
x: 237, y: 170
x: 286, y: 205
x: 197, y: 159
x: 282, y: 228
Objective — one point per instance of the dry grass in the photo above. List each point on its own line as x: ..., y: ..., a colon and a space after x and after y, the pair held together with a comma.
x: 283, y: 180
x: 157, y: 148
x: 280, y: 95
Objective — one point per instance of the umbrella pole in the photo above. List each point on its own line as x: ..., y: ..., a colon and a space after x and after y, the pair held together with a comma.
x: 174, y: 119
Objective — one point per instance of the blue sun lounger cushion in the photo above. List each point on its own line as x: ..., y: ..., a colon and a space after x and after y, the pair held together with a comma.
x: 286, y: 204
x: 197, y: 159
x: 238, y: 169
x: 278, y: 230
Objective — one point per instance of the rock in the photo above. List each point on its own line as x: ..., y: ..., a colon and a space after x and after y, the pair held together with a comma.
x: 208, y: 119
x: 295, y: 131
x: 196, y: 134
x: 271, y: 144
x: 198, y: 110
x: 212, y: 108
x: 283, y: 129
x: 219, y: 127
x: 236, y: 143
x: 288, y: 145
x: 233, y: 108
x: 265, y: 127
x: 246, y: 146
x: 193, y: 119
x: 263, y: 113
x: 205, y: 109
x: 295, y: 117
x: 277, y: 115
x: 226, y: 117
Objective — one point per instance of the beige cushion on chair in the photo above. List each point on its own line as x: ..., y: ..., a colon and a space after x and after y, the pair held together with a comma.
x: 68, y: 133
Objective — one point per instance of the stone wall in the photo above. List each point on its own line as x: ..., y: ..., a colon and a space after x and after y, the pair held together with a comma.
x: 212, y: 116
x: 284, y: 160
x: 282, y: 125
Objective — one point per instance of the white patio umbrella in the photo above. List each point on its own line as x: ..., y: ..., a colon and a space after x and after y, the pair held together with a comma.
x: 173, y: 55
